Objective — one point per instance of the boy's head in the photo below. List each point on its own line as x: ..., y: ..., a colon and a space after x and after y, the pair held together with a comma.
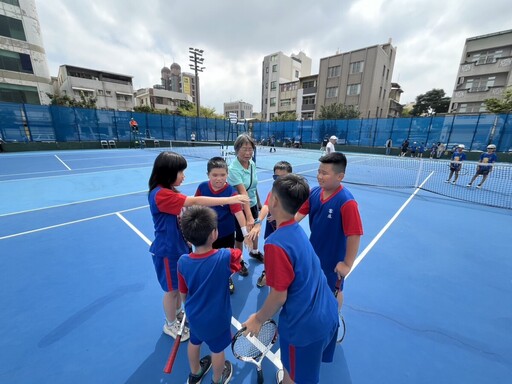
x: 282, y: 168
x: 290, y: 191
x: 199, y: 225
x: 217, y: 172
x: 331, y: 170
x: 491, y: 148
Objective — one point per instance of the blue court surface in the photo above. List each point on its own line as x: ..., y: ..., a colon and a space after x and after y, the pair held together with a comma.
x: 429, y: 300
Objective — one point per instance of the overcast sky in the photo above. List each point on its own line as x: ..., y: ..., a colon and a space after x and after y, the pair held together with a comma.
x: 138, y: 38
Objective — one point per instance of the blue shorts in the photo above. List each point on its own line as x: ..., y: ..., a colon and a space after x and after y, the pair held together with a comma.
x: 216, y: 344
x: 166, y: 272
x: 303, y: 363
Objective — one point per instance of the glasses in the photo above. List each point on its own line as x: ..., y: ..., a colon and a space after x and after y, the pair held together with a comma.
x: 275, y: 177
x: 246, y: 149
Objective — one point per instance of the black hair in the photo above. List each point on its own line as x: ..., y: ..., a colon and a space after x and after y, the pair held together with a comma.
x: 283, y: 166
x: 337, y: 159
x: 165, y: 170
x: 197, y: 223
x: 216, y: 162
x: 292, y: 191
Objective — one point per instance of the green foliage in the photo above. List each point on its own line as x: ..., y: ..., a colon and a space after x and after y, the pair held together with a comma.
x: 503, y: 105
x: 285, y: 116
x: 144, y: 109
x: 338, y: 111
x: 66, y: 101
x: 189, y: 110
x: 432, y: 100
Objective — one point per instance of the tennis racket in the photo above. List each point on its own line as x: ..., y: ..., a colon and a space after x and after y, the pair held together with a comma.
x: 253, y: 349
x: 341, y: 329
x: 175, y: 347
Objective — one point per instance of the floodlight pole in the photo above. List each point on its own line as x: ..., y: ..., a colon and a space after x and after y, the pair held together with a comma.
x: 197, y: 60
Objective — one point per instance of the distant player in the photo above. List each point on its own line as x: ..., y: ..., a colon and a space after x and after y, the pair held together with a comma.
x: 456, y: 164
x: 484, y: 166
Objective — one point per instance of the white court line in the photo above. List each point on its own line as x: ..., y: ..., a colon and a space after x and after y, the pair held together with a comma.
x: 58, y: 158
x: 386, y: 227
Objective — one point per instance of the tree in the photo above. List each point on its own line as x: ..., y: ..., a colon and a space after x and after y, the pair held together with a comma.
x: 503, y: 105
x: 189, y: 110
x: 66, y: 101
x: 433, y: 100
x: 338, y: 111
x: 285, y: 116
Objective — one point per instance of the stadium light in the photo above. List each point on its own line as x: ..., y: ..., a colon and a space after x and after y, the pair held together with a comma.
x: 196, y: 59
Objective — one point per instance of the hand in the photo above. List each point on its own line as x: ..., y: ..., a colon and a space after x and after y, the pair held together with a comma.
x: 254, y: 233
x: 248, y: 241
x: 249, y: 223
x: 341, y: 270
x: 239, y: 199
x: 252, y: 325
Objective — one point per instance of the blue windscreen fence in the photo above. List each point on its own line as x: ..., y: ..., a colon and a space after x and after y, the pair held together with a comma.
x: 27, y: 122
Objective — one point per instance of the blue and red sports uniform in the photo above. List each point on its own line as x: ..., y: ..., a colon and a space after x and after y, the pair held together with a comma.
x: 169, y: 244
x: 486, y: 158
x: 225, y: 213
x: 270, y: 226
x: 202, y: 277
x: 308, y: 320
x: 331, y: 220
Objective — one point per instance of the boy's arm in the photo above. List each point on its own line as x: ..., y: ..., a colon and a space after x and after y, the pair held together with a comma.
x: 256, y: 229
x: 343, y: 267
x: 275, y: 300
x: 247, y: 209
x: 299, y: 216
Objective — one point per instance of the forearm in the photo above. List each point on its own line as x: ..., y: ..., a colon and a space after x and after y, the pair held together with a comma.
x: 206, y: 201
x: 275, y: 300
x: 350, y: 255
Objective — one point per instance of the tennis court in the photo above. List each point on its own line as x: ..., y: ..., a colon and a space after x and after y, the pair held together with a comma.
x: 428, y: 300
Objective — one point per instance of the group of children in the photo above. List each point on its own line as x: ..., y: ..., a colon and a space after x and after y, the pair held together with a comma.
x: 483, y: 168
x: 302, y: 273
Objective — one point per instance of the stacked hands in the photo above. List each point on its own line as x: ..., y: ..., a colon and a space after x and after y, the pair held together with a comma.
x: 252, y: 231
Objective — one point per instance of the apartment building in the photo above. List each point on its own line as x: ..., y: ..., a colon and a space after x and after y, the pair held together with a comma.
x: 484, y: 72
x: 277, y: 69
x: 24, y: 73
x: 111, y: 90
x: 360, y: 78
x: 395, y: 108
x: 242, y: 109
x: 161, y: 99
x: 306, y: 97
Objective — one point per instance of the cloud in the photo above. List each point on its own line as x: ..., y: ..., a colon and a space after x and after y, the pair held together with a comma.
x: 138, y: 38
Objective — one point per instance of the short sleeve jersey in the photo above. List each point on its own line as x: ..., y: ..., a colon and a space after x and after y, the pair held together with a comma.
x: 225, y: 213
x: 239, y: 175
x: 203, y: 278
x: 331, y: 220
x: 166, y: 207
x: 487, y: 158
x: 457, y: 156
x: 311, y: 310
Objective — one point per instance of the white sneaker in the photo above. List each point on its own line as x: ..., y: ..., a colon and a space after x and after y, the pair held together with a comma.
x: 447, y: 181
x: 454, y: 182
x: 173, y: 329
x: 478, y: 186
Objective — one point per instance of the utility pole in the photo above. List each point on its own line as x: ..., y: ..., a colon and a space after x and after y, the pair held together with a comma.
x: 196, y: 59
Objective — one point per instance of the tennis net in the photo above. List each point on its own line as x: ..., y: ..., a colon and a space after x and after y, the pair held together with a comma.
x: 188, y: 149
x: 405, y: 172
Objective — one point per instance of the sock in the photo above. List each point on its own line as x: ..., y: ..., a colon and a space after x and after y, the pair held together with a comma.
x: 254, y: 251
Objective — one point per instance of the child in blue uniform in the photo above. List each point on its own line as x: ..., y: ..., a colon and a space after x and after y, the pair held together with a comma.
x: 281, y: 168
x: 482, y: 167
x: 456, y: 164
x: 334, y: 221
x: 308, y: 320
x: 216, y: 186
x: 202, y: 279
x: 166, y: 204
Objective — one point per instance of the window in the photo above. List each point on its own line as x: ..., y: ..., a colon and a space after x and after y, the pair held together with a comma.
x: 383, y: 71
x: 357, y: 67
x: 266, y: 69
x: 272, y: 101
x: 285, y: 103
x: 480, y: 84
x: 297, y: 74
x: 273, y: 58
x: 308, y: 84
x: 100, y: 92
x: 308, y: 100
x: 14, y: 61
x: 331, y: 92
x: 13, y: 28
x: 488, y: 57
x: 19, y: 94
x: 273, y: 85
x: 274, y: 68
x: 334, y: 71
x: 353, y: 89
x: 12, y: 2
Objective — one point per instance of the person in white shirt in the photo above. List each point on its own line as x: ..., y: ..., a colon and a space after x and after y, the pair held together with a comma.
x: 329, y: 148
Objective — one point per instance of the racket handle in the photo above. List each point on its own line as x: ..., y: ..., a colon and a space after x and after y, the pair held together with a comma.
x: 172, y: 355
x: 260, y: 376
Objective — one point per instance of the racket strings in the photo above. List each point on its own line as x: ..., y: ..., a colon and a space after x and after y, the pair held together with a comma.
x: 267, y: 336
